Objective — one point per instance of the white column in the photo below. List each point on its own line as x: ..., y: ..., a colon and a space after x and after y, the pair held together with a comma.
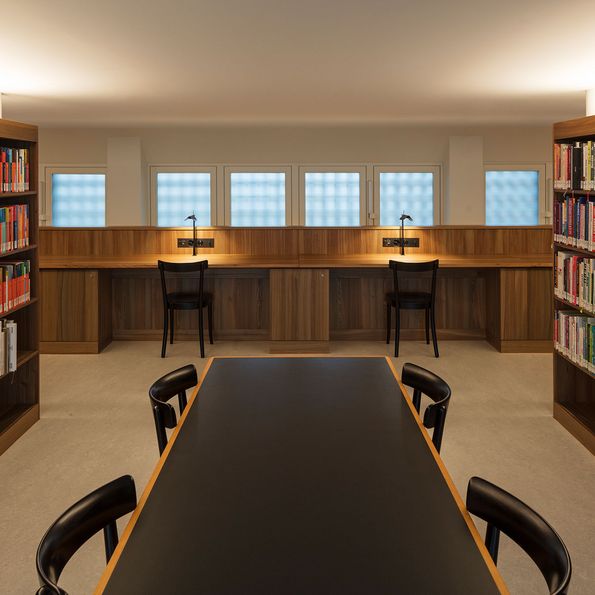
x: 590, y: 102
x: 465, y: 196
x: 126, y: 202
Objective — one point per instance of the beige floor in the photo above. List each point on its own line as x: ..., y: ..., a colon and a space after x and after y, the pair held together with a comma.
x: 96, y: 424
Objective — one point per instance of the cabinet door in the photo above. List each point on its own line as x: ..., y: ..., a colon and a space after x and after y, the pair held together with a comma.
x: 299, y: 304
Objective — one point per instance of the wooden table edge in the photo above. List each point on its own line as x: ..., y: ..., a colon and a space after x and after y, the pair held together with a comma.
x: 453, y: 489
x: 149, y: 487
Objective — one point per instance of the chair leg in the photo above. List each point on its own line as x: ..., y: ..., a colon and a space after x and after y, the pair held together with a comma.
x: 388, y: 313
x: 434, y: 339
x: 171, y: 326
x: 201, y: 332
x: 397, y: 329
x: 427, y: 326
x: 210, y: 321
x: 164, y: 341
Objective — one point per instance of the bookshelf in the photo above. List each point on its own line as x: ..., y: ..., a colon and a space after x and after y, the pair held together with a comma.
x: 574, y: 277
x: 19, y: 389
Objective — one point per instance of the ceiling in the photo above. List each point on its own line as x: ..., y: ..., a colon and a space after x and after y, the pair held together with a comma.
x: 149, y: 62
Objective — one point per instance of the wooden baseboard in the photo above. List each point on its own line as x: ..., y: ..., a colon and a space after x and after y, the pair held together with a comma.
x: 184, y: 335
x: 526, y: 346
x: 18, y: 428
x: 299, y: 347
x: 408, y: 334
x: 583, y: 434
x: 56, y: 347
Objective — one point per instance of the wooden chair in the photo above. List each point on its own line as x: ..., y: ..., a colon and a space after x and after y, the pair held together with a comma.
x: 505, y: 513
x: 161, y: 391
x: 412, y: 300
x: 185, y: 300
x: 423, y: 381
x: 95, y: 512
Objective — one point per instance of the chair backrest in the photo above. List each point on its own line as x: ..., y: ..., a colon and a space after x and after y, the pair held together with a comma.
x: 161, y: 391
x: 504, y: 512
x: 423, y: 381
x: 430, y: 266
x: 199, y: 266
x: 97, y: 511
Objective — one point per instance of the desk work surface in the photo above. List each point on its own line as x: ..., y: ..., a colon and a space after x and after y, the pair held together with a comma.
x: 299, y: 475
x: 242, y: 261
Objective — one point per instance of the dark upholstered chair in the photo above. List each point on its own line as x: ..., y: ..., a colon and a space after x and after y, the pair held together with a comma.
x: 423, y: 381
x: 95, y: 512
x: 185, y: 300
x: 161, y: 391
x: 412, y: 300
x: 505, y: 513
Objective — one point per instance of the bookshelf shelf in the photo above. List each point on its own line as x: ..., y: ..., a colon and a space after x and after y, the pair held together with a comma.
x: 7, y: 195
x: 576, y: 307
x: 570, y: 248
x: 22, y: 358
x: 18, y: 251
x: 574, y: 384
x: 19, y: 307
x: 19, y: 390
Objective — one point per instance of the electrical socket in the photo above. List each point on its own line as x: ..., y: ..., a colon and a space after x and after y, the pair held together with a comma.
x: 200, y: 242
x: 396, y: 242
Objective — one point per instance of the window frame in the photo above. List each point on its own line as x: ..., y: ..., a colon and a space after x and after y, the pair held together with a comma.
x: 540, y: 168
x: 360, y: 169
x: 260, y: 169
x: 180, y: 169
x: 433, y: 168
x: 46, y: 215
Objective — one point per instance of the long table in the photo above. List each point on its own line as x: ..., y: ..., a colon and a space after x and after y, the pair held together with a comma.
x: 300, y: 475
x: 295, y: 301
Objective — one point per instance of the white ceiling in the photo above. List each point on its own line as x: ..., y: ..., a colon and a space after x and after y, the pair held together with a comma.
x: 149, y: 62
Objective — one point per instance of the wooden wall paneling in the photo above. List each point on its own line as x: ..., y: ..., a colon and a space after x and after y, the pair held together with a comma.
x: 240, y: 308
x: 70, y: 311
x: 525, y: 309
x: 299, y: 301
x: 358, y: 310
x: 540, y: 306
x: 493, y: 309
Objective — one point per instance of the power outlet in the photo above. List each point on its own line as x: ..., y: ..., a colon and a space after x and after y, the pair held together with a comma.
x: 396, y: 242
x: 200, y: 242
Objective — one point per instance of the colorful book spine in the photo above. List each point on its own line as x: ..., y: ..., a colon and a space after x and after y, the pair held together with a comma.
x: 574, y: 221
x: 574, y: 166
x: 14, y: 227
x: 15, y: 284
x: 574, y: 279
x: 574, y: 337
x: 14, y: 169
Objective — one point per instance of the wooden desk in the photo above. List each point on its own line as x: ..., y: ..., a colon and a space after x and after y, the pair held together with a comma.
x: 300, y: 475
x: 300, y: 301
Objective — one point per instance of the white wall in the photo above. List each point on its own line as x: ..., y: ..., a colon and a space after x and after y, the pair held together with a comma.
x: 300, y: 144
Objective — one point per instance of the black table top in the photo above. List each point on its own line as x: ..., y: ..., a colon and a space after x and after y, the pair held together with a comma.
x: 304, y: 475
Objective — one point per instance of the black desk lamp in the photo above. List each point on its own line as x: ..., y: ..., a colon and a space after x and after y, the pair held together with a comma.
x: 193, y: 219
x: 402, y: 219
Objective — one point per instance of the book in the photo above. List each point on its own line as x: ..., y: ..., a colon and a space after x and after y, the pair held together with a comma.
x: 14, y: 169
x: 11, y: 345
x: 574, y: 166
x: 574, y: 221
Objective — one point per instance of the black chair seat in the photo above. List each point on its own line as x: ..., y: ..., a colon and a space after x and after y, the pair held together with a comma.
x: 188, y: 301
x: 411, y: 299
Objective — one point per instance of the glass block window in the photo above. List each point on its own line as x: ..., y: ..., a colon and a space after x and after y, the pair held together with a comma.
x: 257, y: 199
x: 78, y: 200
x: 332, y: 198
x: 410, y: 193
x: 512, y: 197
x: 180, y: 194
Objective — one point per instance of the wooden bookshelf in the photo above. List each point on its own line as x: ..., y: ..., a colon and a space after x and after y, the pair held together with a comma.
x: 574, y: 384
x: 19, y: 390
